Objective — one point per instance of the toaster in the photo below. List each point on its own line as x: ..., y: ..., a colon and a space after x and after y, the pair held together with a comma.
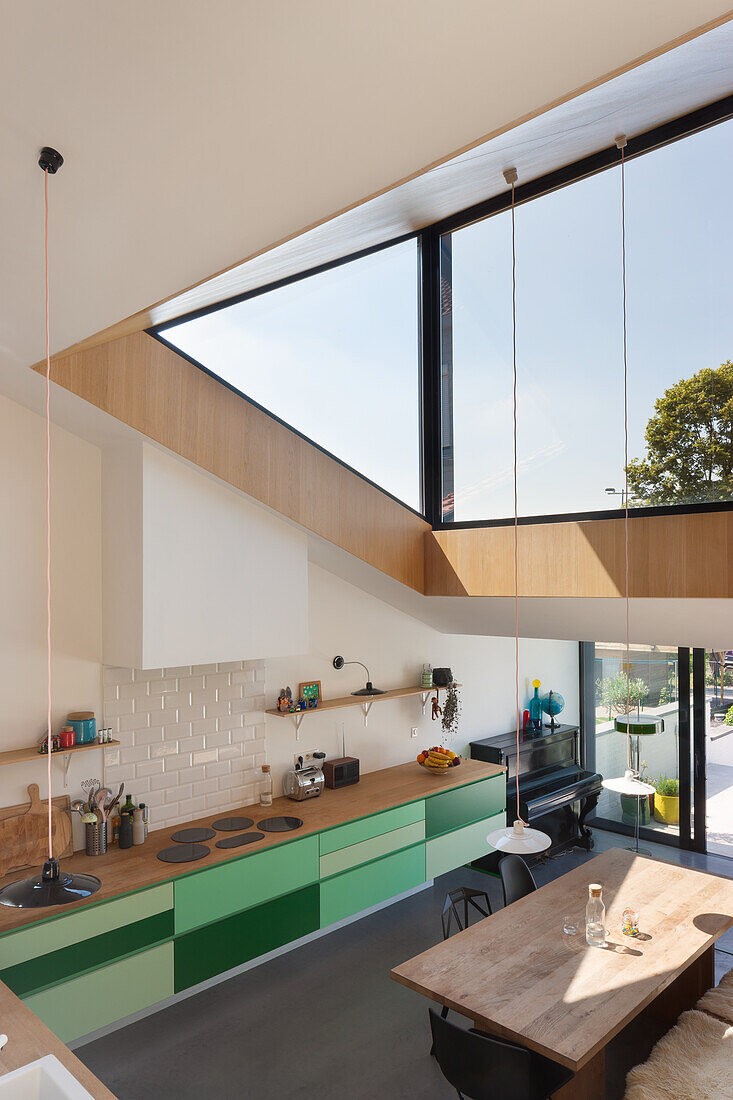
x: 302, y: 783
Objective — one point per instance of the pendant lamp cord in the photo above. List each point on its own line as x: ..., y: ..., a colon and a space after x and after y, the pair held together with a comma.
x: 512, y: 177
x: 48, y: 521
x: 621, y: 144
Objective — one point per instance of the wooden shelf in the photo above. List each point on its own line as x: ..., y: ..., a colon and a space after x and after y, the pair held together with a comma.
x: 15, y: 756
x: 363, y: 701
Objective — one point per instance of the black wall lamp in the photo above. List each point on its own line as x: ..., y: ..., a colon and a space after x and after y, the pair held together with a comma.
x: 339, y: 662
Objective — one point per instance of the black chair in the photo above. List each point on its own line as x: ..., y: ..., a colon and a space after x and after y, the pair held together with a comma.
x: 467, y: 896
x: 482, y: 1067
x: 516, y: 879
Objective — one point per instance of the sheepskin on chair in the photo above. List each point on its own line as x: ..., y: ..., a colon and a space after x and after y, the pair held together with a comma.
x: 719, y: 1001
x: 693, y: 1061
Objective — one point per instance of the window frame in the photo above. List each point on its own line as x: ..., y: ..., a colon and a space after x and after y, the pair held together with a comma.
x: 432, y: 463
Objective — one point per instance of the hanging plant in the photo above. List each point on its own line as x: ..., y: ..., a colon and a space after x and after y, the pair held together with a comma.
x: 451, y: 711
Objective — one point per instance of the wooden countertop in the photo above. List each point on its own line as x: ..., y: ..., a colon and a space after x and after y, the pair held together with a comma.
x: 125, y: 870
x: 518, y: 976
x: 29, y: 1039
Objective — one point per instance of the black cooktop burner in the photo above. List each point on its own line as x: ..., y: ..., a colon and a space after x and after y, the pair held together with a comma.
x: 183, y: 853
x: 192, y: 836
x: 232, y: 825
x: 237, y: 841
x: 279, y: 824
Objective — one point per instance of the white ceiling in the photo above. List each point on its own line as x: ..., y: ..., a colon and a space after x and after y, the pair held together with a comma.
x: 199, y: 133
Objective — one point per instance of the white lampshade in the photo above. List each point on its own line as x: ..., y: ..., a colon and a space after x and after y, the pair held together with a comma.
x: 519, y: 839
x: 628, y: 784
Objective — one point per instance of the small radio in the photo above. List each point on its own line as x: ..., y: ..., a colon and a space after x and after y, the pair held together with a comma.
x: 342, y: 772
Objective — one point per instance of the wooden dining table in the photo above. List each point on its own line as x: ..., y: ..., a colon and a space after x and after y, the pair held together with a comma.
x: 518, y: 975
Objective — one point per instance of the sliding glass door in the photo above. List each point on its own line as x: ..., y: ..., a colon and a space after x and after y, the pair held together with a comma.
x: 718, y: 716
x: 669, y: 683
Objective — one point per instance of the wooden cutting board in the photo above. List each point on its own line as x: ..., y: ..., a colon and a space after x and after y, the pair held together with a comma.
x: 24, y: 832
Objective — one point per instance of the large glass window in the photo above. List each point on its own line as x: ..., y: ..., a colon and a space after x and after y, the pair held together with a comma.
x: 335, y: 355
x: 570, y: 380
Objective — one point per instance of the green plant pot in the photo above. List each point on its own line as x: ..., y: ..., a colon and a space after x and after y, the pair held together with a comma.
x: 628, y: 809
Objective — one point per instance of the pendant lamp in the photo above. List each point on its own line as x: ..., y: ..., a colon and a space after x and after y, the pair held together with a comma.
x: 517, y: 838
x: 52, y: 886
x: 629, y: 783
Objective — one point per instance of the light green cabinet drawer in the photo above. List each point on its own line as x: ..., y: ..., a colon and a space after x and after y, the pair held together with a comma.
x: 453, y: 809
x: 232, y: 887
x: 356, y: 854
x: 84, y: 924
x: 94, y: 1000
x: 450, y: 850
x: 362, y: 887
x: 344, y: 836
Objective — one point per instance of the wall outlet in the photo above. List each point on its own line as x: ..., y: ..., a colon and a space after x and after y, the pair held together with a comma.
x: 413, y: 731
x: 304, y: 759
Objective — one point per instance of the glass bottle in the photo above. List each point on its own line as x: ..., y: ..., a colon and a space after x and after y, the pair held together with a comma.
x: 266, y: 786
x: 535, y: 707
x: 128, y: 807
x: 595, y: 917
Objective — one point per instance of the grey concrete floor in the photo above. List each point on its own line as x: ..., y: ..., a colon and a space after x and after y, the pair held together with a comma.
x: 326, y: 1021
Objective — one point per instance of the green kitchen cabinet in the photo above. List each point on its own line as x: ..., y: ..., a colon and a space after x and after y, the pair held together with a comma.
x: 367, y: 850
x: 217, y: 892
x: 366, y: 828
x: 82, y: 1005
x: 348, y: 893
x: 57, y: 933
x: 443, y: 853
x: 453, y: 809
x: 228, y: 943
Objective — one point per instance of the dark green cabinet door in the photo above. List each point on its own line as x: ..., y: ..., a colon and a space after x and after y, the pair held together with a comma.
x: 464, y: 805
x: 228, y: 943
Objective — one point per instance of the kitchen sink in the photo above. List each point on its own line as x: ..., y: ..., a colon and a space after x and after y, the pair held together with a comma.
x: 44, y: 1079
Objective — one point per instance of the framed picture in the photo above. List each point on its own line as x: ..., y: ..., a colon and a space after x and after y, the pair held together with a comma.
x: 311, y: 692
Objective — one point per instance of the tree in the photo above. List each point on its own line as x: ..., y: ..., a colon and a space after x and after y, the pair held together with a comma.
x: 617, y: 697
x: 689, y: 443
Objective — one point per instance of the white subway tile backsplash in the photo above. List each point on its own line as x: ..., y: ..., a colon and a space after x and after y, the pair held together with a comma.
x: 176, y: 794
x: 208, y: 786
x: 233, y: 722
x: 216, y: 710
x: 175, y: 699
x: 160, y: 687
x: 163, y: 782
x: 208, y: 756
x: 246, y: 676
x: 218, y: 680
x: 148, y: 735
x: 217, y: 738
x: 149, y: 767
x: 134, y: 755
x: 165, y: 748
x: 182, y: 732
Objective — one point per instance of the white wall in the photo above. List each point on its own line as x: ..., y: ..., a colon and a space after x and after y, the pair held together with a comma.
x: 346, y: 620
x: 76, y: 586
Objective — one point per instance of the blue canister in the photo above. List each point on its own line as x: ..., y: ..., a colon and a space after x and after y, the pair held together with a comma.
x: 84, y: 725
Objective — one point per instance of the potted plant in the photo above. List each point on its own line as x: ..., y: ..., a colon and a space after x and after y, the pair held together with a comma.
x: 667, y: 800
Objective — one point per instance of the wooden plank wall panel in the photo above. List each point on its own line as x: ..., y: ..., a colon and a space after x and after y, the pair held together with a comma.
x: 148, y: 386
x: 677, y: 556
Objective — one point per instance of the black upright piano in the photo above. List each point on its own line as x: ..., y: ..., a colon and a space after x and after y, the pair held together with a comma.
x: 555, y: 793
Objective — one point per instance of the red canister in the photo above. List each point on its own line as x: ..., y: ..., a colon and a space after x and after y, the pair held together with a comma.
x: 67, y: 737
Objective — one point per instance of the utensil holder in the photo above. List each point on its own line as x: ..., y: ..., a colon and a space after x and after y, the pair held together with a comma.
x: 96, y: 838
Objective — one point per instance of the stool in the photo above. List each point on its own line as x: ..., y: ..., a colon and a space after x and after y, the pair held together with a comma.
x: 467, y: 896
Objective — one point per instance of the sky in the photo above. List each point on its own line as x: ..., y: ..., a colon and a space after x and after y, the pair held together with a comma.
x: 336, y: 355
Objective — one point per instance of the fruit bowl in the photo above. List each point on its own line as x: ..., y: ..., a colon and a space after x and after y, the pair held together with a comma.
x: 438, y: 760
